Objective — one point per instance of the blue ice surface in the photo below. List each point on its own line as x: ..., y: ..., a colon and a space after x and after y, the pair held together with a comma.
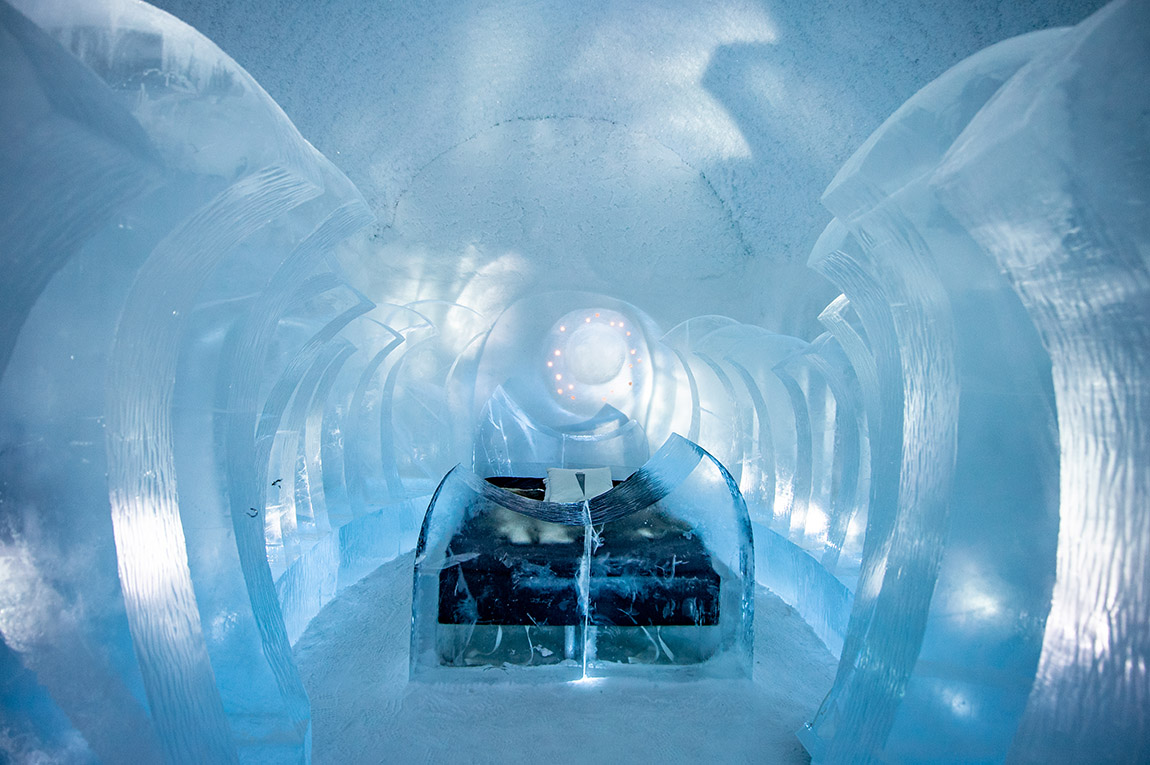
x: 230, y: 379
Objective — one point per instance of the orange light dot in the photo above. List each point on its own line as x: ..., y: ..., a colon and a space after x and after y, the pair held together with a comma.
x: 628, y: 333
x: 638, y: 361
x: 559, y: 391
x: 604, y: 398
x: 596, y: 316
x: 630, y: 383
x: 572, y: 398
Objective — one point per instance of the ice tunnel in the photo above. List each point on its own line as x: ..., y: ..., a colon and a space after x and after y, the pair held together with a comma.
x: 755, y: 381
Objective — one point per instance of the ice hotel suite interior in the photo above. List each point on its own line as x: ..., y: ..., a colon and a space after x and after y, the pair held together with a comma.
x: 745, y: 381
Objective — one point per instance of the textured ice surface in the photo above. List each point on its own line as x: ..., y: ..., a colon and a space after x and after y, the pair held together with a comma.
x: 220, y: 404
x: 1002, y: 286
x: 737, y: 114
x: 171, y: 186
x: 1080, y: 262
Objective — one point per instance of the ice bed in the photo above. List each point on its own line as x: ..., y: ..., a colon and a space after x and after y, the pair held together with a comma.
x: 650, y: 573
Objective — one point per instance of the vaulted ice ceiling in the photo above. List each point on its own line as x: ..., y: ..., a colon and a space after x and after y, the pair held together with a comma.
x: 663, y: 153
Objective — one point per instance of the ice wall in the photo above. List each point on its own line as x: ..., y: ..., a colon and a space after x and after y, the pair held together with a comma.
x: 207, y: 430
x: 1001, y: 286
x: 1075, y: 124
x: 150, y: 187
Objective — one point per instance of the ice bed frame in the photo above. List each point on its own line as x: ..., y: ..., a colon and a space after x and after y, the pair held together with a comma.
x: 668, y: 584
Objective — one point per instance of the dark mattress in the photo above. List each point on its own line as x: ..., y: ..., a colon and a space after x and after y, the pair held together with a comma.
x: 649, y: 571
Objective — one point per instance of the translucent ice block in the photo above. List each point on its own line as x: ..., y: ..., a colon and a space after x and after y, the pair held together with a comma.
x: 656, y: 574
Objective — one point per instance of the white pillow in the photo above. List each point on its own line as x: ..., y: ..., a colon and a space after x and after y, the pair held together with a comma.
x: 563, y: 484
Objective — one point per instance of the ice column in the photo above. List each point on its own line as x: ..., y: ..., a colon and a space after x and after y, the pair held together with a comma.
x: 993, y: 285
x: 182, y: 187
x: 1052, y: 180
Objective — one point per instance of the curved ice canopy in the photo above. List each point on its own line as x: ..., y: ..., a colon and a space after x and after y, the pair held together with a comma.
x: 655, y: 572
x: 974, y: 245
x: 173, y: 219
x: 225, y: 395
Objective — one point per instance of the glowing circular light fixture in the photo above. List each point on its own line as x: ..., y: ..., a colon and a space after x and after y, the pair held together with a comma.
x: 595, y: 354
x: 587, y: 355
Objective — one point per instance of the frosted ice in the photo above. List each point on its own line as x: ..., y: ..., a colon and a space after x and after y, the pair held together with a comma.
x: 230, y: 384
x: 190, y: 163
x: 956, y: 227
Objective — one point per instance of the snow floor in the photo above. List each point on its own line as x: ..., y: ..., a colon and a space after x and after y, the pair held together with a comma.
x: 354, y: 662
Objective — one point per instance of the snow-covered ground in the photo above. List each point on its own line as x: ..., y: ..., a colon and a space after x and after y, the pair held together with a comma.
x: 354, y: 661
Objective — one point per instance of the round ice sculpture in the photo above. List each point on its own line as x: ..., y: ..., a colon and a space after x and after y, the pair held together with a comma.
x: 656, y: 574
